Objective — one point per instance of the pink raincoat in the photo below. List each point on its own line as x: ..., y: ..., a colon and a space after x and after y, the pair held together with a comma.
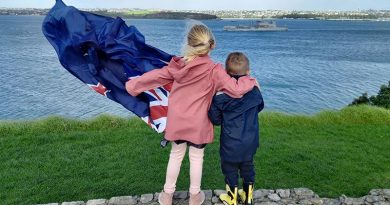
x: 194, y: 85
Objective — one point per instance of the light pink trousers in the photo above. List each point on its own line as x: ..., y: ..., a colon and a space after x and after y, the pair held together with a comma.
x: 196, y: 165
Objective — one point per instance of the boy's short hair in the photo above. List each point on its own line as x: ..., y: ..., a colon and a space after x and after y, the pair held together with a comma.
x: 237, y: 63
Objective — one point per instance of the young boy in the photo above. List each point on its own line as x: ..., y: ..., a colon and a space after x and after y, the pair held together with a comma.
x: 239, y: 133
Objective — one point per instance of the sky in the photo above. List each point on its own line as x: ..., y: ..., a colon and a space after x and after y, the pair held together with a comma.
x: 210, y: 4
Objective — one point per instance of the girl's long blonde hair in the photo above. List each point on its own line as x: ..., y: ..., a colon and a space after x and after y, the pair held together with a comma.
x: 199, y: 42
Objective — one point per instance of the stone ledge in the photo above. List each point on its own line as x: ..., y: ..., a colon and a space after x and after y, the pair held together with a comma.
x: 261, y: 197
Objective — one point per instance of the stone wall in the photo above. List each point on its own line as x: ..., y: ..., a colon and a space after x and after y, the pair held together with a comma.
x: 261, y: 197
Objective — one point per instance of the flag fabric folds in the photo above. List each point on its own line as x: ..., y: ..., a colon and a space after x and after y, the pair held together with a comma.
x: 104, y: 53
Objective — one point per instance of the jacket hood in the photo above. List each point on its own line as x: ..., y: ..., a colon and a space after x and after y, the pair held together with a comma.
x: 192, y: 71
x: 237, y: 76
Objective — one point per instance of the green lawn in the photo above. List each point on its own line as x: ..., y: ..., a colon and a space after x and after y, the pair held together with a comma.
x: 140, y: 12
x: 56, y: 159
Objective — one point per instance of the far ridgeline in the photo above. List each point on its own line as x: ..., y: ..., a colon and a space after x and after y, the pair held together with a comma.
x: 159, y: 15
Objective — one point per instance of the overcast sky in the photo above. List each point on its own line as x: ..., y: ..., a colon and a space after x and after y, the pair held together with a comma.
x: 209, y: 4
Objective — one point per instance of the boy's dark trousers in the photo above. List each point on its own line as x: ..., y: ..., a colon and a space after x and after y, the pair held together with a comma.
x: 231, y: 169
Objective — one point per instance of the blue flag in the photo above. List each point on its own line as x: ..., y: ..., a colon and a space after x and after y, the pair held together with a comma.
x: 104, y: 53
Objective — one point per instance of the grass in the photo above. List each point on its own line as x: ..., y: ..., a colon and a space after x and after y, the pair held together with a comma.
x: 140, y: 12
x: 56, y: 159
x: 126, y: 14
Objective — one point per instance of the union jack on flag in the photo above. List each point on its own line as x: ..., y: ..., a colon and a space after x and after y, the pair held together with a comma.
x: 104, y: 53
x: 158, y: 106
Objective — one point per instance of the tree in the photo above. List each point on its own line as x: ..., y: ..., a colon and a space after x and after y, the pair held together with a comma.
x: 380, y: 100
x: 363, y: 99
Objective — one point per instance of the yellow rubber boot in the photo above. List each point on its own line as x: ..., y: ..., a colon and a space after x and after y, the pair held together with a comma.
x: 230, y: 198
x: 242, y: 195
x: 246, y: 198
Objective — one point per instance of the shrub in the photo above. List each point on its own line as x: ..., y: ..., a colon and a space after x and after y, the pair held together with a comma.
x: 380, y: 100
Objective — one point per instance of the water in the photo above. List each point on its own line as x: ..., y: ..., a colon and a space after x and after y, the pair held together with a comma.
x: 316, y: 65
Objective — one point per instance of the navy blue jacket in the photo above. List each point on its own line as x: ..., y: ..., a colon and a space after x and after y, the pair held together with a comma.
x: 239, y: 124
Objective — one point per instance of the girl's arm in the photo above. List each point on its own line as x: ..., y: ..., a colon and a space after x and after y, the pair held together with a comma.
x: 153, y: 79
x: 232, y: 87
x: 149, y: 80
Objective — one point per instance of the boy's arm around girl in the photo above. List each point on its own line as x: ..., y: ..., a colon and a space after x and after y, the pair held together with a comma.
x: 168, y: 74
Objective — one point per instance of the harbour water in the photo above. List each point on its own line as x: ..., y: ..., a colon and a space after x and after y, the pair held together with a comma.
x: 316, y: 65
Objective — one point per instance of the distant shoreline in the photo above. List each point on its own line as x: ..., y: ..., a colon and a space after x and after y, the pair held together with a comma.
x: 364, y: 15
x: 123, y: 14
x: 227, y: 19
x: 237, y: 19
